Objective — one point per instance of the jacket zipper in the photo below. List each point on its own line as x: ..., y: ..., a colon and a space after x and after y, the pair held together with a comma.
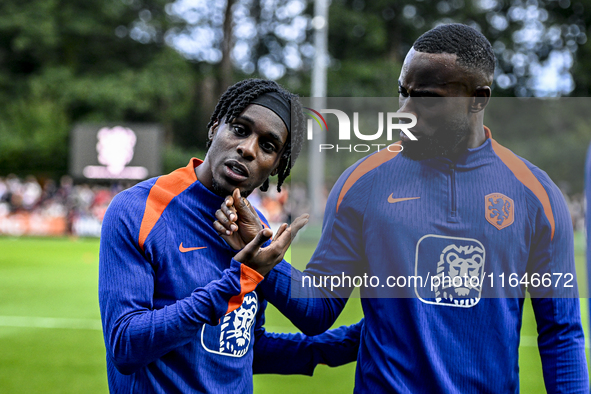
x: 454, y: 199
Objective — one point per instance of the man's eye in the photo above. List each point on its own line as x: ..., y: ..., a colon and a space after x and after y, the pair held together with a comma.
x: 268, y: 147
x: 239, y: 130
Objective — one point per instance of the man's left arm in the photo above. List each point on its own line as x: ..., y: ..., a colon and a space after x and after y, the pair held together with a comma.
x: 561, y: 341
x: 296, y: 353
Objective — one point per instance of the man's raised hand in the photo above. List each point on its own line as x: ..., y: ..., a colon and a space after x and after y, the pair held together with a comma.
x: 262, y: 259
x: 237, y: 221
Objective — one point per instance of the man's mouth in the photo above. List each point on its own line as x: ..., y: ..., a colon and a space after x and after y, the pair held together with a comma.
x: 405, y: 138
x: 236, y: 170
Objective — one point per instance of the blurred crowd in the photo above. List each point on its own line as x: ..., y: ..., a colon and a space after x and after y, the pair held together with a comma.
x: 30, y: 206
x: 576, y: 205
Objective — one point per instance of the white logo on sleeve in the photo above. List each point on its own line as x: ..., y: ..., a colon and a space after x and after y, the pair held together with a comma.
x: 455, y: 268
x: 232, y: 337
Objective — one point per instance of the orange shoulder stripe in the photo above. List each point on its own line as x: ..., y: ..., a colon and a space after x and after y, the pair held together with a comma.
x: 367, y: 165
x: 164, y: 190
x: 525, y: 176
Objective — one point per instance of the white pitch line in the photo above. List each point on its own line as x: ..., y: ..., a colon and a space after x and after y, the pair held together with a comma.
x: 50, y: 322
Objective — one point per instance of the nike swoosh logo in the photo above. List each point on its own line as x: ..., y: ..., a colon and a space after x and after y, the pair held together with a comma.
x: 393, y: 200
x: 185, y: 250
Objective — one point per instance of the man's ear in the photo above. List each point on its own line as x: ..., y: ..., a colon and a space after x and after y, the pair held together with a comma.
x: 480, y: 98
x: 212, y: 130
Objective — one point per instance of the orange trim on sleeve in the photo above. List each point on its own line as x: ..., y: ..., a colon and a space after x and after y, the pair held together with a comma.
x: 367, y: 165
x: 164, y: 190
x: 249, y: 279
x: 529, y: 180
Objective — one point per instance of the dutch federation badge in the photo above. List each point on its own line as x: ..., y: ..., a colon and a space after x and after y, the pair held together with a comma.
x: 233, y: 336
x: 499, y: 210
x: 453, y: 268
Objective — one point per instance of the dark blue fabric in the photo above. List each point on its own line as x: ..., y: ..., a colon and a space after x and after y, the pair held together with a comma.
x: 423, y: 341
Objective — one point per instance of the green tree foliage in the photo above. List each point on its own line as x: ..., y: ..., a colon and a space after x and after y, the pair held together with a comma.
x: 70, y: 61
x: 531, y: 39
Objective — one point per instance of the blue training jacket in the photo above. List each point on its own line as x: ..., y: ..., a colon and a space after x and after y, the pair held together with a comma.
x: 490, y: 216
x: 179, y: 314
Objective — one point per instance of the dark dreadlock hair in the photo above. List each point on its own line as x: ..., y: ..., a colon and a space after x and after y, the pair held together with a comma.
x: 238, y: 96
x: 471, y: 47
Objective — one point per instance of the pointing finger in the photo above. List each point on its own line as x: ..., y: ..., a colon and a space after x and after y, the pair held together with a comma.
x: 253, y: 246
x: 242, y: 205
x: 298, y: 224
x: 280, y: 231
x: 284, y: 240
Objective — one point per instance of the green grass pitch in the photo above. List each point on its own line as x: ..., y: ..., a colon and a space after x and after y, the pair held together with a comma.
x: 51, y: 342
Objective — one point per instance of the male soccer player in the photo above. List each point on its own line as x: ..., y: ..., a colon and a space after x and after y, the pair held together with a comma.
x: 180, y: 309
x: 454, y: 204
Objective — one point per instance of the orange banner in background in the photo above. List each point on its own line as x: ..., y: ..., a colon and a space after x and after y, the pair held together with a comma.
x: 32, y: 224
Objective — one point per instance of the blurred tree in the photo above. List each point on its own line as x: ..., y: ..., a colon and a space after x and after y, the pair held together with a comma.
x: 258, y: 37
x: 167, y: 61
x: 535, y: 41
x: 541, y: 47
x: 70, y: 60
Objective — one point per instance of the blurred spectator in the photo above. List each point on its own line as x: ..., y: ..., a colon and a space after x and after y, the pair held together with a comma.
x: 31, y: 193
x: 576, y: 206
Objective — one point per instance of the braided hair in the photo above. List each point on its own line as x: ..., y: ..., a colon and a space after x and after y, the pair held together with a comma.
x: 235, y: 100
x: 472, y: 48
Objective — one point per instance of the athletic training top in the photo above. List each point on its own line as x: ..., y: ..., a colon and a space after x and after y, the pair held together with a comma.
x: 179, y: 314
x: 490, y: 217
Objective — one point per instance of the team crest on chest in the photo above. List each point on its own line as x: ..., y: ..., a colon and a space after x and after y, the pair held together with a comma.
x: 499, y: 210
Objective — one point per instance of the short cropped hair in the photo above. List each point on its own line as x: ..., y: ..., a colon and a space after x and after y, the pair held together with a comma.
x: 238, y: 96
x: 470, y: 46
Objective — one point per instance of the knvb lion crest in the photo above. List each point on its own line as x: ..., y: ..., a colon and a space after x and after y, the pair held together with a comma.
x: 235, y: 329
x: 233, y: 336
x: 499, y: 210
x: 460, y: 271
x: 453, y: 268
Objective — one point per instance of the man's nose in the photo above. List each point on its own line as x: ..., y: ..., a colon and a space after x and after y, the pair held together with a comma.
x: 408, y: 107
x: 247, y: 148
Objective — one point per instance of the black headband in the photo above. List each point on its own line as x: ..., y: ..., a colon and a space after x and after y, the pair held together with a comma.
x: 278, y: 104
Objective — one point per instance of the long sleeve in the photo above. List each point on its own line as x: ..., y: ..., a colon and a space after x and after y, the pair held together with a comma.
x: 561, y: 340
x: 312, y: 308
x: 297, y: 353
x: 135, y: 332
